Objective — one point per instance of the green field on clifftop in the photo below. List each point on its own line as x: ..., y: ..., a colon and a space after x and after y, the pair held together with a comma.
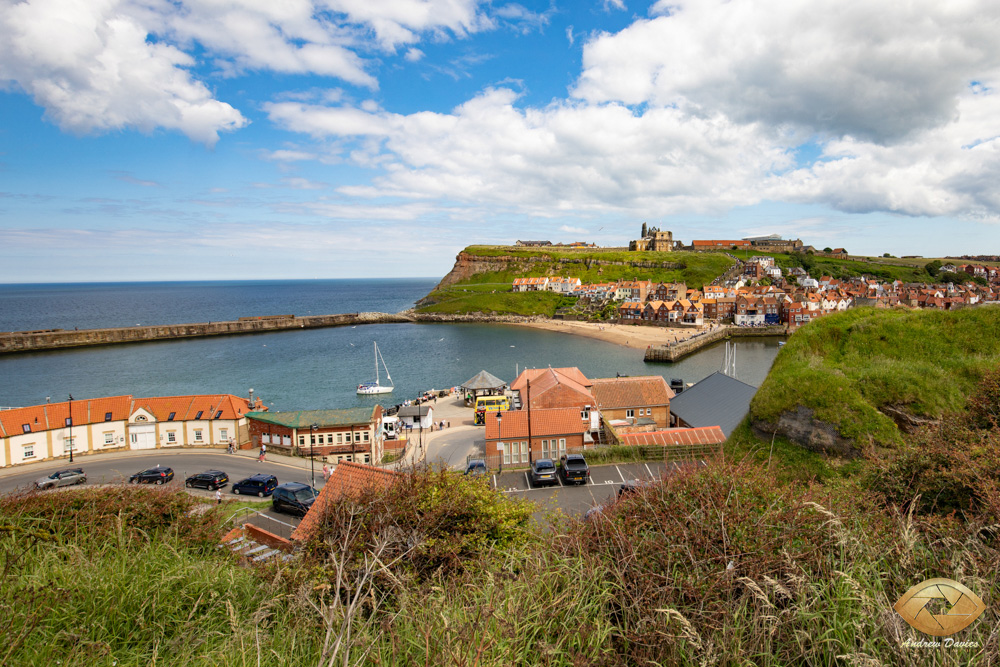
x: 846, y: 367
x: 490, y: 291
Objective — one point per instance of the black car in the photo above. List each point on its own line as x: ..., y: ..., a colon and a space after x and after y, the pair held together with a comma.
x: 259, y: 485
x: 157, y: 475
x: 294, y: 498
x: 476, y: 468
x: 543, y: 472
x: 573, y: 469
x: 210, y: 479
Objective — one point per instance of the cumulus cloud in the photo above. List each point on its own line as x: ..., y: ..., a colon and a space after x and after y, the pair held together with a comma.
x: 116, y: 64
x: 93, y: 69
x: 873, y: 71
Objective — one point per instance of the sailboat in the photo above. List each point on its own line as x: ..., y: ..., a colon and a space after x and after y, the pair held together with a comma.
x: 375, y: 387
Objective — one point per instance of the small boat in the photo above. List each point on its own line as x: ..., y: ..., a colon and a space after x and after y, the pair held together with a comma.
x: 781, y: 343
x: 376, y: 386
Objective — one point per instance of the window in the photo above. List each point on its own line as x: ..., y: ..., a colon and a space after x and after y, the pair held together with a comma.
x: 312, y: 439
x: 524, y: 451
x: 630, y: 413
x: 368, y: 459
x: 141, y: 418
x: 29, y: 450
x: 562, y: 446
x: 218, y: 414
x: 329, y: 438
x: 347, y: 437
x: 366, y: 436
x: 545, y: 449
x: 171, y: 436
x: 224, y: 433
x: 109, y: 438
x: 26, y: 428
x: 171, y: 417
x: 340, y: 438
x: 506, y: 453
x: 302, y: 441
x: 107, y: 416
x: 197, y: 435
x: 200, y: 413
x: 585, y: 413
x: 69, y: 421
x: 649, y: 411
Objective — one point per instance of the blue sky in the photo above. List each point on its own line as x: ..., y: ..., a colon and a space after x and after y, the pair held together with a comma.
x: 171, y: 140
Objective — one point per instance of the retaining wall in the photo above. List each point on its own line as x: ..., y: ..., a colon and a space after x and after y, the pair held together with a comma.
x: 675, y: 352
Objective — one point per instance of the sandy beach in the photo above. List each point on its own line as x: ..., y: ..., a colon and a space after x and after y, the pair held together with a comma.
x: 634, y: 336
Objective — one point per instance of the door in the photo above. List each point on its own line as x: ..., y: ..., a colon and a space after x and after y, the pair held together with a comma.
x: 142, y: 437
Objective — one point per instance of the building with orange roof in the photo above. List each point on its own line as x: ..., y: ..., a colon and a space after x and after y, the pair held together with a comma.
x: 515, y: 437
x: 636, y: 400
x: 677, y: 437
x: 553, y: 388
x: 348, y: 480
x: 53, y: 430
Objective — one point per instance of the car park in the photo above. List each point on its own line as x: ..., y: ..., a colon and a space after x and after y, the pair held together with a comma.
x: 61, y: 478
x: 476, y: 468
x: 543, y: 472
x: 293, y: 498
x: 259, y: 485
x: 157, y: 475
x: 210, y: 479
x: 573, y: 469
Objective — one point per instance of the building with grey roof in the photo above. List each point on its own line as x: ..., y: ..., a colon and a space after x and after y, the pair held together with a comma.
x: 718, y: 400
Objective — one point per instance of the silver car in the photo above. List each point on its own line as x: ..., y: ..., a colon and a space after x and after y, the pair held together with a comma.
x: 62, y: 478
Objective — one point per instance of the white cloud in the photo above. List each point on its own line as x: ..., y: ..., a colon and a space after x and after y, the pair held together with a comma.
x: 413, y: 55
x: 874, y: 71
x: 569, y: 35
x: 614, y: 4
x: 574, y: 230
x: 92, y: 68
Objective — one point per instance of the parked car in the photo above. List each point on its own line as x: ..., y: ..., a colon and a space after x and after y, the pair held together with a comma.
x: 573, y: 469
x: 293, y: 498
x: 210, y: 479
x: 157, y: 475
x: 633, y: 485
x: 62, y: 478
x: 543, y: 471
x: 476, y: 468
x: 259, y: 485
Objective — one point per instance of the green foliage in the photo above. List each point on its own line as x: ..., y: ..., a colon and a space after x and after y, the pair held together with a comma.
x: 846, y: 366
x: 933, y: 268
x: 827, y: 250
x: 489, y: 291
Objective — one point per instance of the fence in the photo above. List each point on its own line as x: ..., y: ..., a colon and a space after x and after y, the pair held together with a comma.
x: 269, y: 523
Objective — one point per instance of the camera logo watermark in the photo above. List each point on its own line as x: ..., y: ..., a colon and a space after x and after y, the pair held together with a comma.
x: 939, y: 607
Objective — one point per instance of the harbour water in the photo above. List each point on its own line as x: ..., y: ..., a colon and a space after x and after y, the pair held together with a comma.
x: 291, y: 370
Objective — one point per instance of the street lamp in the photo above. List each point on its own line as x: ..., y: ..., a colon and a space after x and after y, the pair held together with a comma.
x: 500, y: 446
x: 312, y: 459
x: 69, y: 421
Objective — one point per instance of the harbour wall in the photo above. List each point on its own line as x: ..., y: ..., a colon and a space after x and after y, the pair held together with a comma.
x: 57, y: 339
x: 677, y: 351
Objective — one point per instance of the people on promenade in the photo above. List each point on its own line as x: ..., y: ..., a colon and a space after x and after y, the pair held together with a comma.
x: 218, y: 497
x: 263, y: 453
x: 326, y: 473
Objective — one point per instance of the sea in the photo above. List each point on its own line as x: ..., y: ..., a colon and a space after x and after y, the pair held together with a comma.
x: 298, y: 370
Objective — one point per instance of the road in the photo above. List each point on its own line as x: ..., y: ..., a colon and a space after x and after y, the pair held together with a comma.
x: 112, y: 469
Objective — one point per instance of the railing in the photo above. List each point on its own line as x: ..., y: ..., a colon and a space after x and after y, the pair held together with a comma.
x: 261, y: 520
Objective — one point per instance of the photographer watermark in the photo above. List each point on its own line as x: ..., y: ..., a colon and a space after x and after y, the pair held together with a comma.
x: 940, y: 607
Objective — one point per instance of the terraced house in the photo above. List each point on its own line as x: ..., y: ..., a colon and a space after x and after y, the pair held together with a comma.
x: 53, y: 430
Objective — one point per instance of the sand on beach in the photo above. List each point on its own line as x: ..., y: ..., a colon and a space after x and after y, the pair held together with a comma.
x: 628, y: 335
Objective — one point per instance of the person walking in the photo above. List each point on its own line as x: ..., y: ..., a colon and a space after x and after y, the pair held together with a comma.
x: 218, y: 497
x: 326, y: 473
x: 263, y: 452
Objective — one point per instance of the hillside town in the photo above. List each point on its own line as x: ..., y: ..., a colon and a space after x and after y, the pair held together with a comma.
x: 758, y: 293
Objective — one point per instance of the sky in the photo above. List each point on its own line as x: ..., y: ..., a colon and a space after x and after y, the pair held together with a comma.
x: 266, y: 139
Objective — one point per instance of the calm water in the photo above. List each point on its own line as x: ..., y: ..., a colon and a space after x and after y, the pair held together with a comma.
x: 308, y: 369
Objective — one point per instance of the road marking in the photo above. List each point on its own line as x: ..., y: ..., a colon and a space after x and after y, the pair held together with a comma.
x: 651, y: 476
x: 527, y: 480
x: 620, y: 474
x: 494, y: 480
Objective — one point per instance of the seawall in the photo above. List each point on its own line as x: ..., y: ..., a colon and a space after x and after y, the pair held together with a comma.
x: 671, y: 353
x: 57, y: 339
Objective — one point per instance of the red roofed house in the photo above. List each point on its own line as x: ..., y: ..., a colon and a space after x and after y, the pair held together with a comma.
x: 350, y: 480
x: 50, y: 431
x: 634, y: 399
x: 551, y: 432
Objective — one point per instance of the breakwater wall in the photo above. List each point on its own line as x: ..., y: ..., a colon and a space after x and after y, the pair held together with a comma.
x: 678, y: 351
x: 58, y: 339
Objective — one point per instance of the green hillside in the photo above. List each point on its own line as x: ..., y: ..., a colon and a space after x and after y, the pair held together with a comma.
x: 488, y: 290
x: 847, y: 368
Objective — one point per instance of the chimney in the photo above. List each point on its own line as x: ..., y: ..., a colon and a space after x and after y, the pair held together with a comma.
x: 250, y: 402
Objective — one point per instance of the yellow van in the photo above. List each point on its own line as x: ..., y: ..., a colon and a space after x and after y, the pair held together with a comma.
x: 486, y: 404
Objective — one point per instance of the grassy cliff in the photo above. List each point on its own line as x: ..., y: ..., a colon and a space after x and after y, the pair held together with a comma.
x: 846, y: 380
x: 482, y: 277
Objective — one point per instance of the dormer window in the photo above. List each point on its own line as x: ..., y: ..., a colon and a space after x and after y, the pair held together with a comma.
x: 218, y: 414
x: 26, y: 428
x: 171, y: 417
x: 140, y: 418
x: 200, y: 413
x: 69, y: 421
x: 107, y: 416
